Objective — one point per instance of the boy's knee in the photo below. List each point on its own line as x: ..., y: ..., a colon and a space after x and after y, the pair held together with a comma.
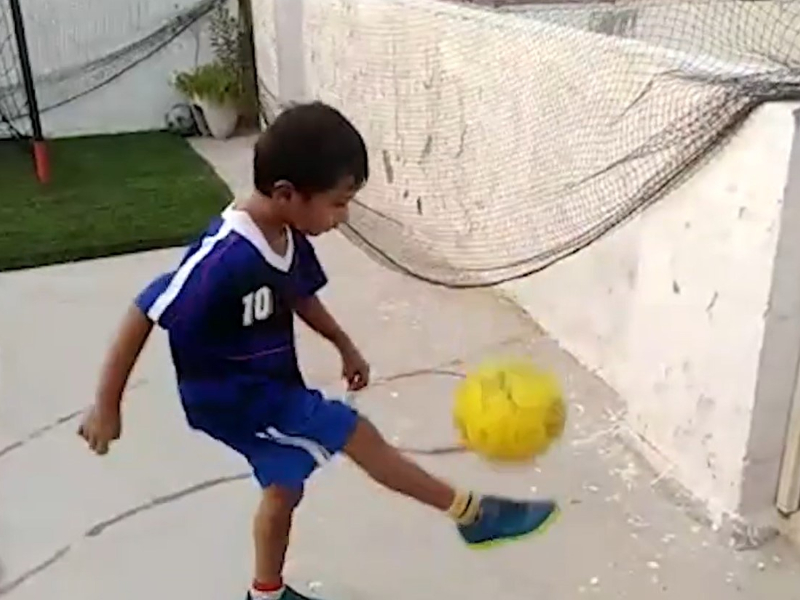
x: 366, y: 444
x: 273, y: 519
x: 278, y: 502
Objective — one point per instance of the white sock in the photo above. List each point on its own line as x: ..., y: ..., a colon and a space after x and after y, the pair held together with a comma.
x: 274, y: 595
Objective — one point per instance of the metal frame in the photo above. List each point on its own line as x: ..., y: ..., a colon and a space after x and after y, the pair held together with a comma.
x: 39, y: 150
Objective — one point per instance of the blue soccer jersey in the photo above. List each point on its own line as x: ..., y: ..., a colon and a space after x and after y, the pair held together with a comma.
x: 228, y: 306
x: 227, y: 309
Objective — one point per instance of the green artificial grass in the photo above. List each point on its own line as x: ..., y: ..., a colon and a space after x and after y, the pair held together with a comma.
x: 107, y: 195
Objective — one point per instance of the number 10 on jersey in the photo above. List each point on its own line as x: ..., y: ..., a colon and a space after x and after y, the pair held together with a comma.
x: 257, y: 306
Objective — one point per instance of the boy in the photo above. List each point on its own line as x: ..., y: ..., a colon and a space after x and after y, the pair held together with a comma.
x: 229, y: 312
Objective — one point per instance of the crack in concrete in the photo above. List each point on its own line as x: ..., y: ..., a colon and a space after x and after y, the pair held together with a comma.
x: 30, y: 573
x: 102, y: 526
x: 37, y: 433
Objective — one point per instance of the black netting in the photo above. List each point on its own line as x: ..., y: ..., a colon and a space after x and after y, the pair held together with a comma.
x: 94, y: 60
x: 14, y: 112
x: 103, y: 65
x: 504, y: 139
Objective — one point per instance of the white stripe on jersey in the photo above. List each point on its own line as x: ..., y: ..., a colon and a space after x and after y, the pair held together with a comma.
x: 182, y: 274
x: 243, y: 224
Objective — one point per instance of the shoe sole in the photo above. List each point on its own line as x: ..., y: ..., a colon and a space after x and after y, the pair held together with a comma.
x: 540, y: 530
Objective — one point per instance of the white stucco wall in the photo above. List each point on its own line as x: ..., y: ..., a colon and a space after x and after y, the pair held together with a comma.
x: 670, y: 308
x: 468, y: 113
x: 62, y: 35
x: 265, y: 40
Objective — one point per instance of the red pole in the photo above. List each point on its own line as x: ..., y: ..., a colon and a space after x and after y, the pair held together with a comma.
x: 41, y: 161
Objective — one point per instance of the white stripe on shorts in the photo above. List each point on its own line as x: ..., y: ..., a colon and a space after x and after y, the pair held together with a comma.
x: 317, y: 451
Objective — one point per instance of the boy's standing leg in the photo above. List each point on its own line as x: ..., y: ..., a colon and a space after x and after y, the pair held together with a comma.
x: 271, y: 529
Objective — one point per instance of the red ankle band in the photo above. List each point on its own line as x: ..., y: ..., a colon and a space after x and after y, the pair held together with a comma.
x: 272, y: 586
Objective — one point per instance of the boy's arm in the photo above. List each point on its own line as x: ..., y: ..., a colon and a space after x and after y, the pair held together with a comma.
x: 314, y: 314
x: 103, y: 423
x: 307, y: 304
x: 310, y: 309
x: 128, y: 344
x: 121, y: 358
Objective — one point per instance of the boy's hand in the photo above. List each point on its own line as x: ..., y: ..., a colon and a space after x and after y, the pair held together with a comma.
x: 355, y: 369
x: 100, y: 427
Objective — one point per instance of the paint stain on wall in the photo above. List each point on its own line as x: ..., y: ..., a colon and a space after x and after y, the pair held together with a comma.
x: 387, y: 167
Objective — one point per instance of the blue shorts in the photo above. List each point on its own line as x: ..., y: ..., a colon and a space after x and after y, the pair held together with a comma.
x: 283, y: 429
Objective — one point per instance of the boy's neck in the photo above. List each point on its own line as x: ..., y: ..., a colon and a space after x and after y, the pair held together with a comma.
x: 265, y: 215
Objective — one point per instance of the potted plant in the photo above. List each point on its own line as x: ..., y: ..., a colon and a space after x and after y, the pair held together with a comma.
x: 217, y: 89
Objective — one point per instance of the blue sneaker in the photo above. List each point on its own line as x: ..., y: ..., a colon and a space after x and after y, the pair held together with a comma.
x: 501, y: 519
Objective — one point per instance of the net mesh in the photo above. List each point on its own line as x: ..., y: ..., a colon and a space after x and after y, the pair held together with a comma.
x: 505, y: 138
x: 14, y: 112
x: 73, y: 56
x: 114, y: 48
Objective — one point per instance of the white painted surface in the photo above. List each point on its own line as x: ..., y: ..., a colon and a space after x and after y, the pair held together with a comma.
x: 64, y: 35
x: 472, y: 111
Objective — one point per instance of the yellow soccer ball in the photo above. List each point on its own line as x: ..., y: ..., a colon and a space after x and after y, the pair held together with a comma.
x: 509, y: 411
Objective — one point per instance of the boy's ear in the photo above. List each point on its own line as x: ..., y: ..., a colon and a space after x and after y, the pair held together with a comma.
x: 282, y: 190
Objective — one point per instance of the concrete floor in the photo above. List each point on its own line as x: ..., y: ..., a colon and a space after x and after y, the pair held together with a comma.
x: 167, y: 513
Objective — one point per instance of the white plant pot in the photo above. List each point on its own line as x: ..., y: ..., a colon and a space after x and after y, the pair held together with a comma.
x: 220, y: 118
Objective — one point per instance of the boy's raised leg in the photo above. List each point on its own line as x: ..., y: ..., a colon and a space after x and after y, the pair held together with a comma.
x: 479, y: 520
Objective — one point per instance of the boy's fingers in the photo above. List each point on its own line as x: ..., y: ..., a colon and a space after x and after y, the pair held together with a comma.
x: 100, y: 446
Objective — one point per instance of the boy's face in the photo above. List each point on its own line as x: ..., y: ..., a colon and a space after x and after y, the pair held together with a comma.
x: 318, y: 213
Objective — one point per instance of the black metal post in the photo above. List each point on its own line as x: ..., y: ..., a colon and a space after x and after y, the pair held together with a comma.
x: 25, y: 67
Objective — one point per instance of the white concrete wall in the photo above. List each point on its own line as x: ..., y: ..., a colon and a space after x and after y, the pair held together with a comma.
x: 478, y: 123
x: 670, y: 309
x: 265, y: 34
x: 63, y: 35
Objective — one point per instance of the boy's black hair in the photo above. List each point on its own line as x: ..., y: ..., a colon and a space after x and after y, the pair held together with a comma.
x: 313, y: 146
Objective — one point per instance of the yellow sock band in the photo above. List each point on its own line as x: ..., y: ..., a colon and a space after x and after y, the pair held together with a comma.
x: 465, y: 507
